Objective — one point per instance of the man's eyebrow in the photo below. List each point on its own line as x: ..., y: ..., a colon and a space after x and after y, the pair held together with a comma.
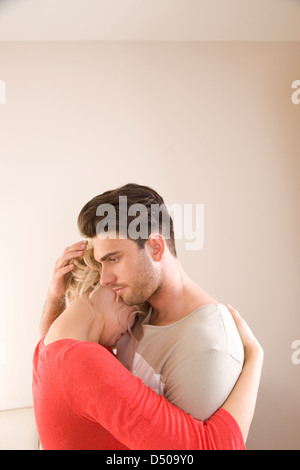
x: 108, y: 255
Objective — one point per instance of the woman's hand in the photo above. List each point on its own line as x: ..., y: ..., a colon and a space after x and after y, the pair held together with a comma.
x: 62, y: 269
x: 56, y: 295
x: 249, y: 341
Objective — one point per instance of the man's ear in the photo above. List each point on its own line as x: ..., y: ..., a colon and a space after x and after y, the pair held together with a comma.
x: 156, y: 244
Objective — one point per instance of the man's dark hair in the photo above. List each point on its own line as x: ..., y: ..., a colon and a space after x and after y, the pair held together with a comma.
x: 157, y: 213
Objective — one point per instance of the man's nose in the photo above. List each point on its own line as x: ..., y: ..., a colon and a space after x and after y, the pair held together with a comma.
x: 107, y: 277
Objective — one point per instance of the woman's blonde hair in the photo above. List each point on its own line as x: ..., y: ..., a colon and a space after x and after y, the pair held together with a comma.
x: 85, y: 276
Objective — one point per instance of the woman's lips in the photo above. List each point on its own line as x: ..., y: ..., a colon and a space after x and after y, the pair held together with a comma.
x: 117, y: 290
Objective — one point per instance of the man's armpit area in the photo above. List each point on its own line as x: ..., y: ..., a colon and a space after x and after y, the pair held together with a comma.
x: 200, y: 385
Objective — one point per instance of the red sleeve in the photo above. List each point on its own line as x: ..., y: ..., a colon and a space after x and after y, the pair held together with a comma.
x: 101, y: 389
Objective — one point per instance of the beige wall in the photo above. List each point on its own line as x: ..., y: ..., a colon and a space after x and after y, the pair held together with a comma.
x: 18, y: 430
x: 209, y: 123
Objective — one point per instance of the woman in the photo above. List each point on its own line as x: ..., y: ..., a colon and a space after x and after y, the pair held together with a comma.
x: 85, y: 399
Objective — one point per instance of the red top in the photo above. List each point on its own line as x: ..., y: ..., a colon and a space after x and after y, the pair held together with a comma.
x: 84, y: 398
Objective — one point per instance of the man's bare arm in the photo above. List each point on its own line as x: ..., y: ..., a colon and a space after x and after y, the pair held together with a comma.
x: 56, y: 296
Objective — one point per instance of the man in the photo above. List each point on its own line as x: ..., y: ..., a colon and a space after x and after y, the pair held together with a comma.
x: 188, y: 348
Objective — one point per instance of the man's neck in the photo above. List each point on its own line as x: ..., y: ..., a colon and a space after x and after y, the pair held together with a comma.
x: 177, y: 296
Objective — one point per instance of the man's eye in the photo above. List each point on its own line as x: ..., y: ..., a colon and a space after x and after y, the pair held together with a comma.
x: 113, y: 260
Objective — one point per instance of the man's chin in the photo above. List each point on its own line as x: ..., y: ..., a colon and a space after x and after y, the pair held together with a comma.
x: 128, y: 301
x: 131, y: 301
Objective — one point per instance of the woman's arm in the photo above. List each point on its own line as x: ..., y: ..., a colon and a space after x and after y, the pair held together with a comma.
x: 241, y: 402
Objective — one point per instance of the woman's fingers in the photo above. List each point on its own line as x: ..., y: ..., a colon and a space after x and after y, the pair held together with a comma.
x: 65, y: 269
x: 76, y: 246
x: 247, y: 337
x: 73, y: 251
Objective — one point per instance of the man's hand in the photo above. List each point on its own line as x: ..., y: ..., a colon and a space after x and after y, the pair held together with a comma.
x: 56, y: 295
x: 62, y: 269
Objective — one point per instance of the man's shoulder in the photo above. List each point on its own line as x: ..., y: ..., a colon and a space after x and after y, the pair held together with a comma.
x: 211, y: 327
x: 203, y: 321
